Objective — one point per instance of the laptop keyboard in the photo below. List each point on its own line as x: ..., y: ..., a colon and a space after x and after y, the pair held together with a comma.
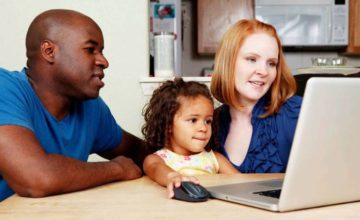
x: 270, y: 193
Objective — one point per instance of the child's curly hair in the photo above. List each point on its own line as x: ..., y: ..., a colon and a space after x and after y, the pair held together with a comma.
x: 162, y: 107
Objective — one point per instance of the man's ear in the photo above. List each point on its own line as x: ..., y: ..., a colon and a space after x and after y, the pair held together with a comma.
x: 47, y: 49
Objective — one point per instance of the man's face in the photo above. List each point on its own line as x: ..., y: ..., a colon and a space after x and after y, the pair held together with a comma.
x: 79, y: 61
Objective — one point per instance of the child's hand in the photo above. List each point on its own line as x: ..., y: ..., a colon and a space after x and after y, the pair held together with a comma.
x: 175, y: 179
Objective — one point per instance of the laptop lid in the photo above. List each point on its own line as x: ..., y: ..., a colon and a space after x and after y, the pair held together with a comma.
x: 326, y: 147
x: 322, y: 167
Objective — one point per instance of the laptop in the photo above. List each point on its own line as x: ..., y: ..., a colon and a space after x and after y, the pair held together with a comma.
x: 324, y: 162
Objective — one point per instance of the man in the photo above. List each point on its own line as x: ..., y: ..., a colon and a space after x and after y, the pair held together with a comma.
x: 52, y: 118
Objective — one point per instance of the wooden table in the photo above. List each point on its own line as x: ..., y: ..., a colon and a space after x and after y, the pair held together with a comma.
x: 144, y: 199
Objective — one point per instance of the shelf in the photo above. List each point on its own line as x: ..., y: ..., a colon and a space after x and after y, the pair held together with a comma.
x: 149, y: 84
x: 329, y: 69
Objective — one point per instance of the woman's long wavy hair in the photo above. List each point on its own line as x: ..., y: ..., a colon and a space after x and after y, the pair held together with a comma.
x: 223, y: 78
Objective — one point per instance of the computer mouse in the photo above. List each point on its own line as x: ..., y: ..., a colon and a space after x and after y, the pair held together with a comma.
x: 191, y: 192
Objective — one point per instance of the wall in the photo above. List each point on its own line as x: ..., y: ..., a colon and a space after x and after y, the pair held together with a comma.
x: 193, y: 64
x: 125, y: 28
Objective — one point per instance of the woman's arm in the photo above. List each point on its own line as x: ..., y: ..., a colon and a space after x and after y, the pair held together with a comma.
x: 224, y: 164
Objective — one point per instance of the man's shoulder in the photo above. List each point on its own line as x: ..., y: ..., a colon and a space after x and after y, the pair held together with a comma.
x: 14, y: 85
x: 7, y: 76
x: 4, y: 71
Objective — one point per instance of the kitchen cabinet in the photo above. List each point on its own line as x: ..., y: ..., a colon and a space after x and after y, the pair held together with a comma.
x: 215, y: 17
x: 354, y: 28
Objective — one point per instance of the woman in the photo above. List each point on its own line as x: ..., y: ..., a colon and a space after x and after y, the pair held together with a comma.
x: 256, y: 123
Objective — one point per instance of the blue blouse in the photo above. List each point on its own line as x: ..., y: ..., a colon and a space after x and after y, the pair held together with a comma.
x: 271, y: 138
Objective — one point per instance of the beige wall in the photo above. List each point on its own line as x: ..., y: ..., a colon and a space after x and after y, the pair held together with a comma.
x: 125, y: 28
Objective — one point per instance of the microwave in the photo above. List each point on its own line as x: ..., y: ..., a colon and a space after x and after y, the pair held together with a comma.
x: 307, y: 23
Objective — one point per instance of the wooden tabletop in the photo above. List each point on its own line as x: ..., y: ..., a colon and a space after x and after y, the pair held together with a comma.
x: 145, y: 199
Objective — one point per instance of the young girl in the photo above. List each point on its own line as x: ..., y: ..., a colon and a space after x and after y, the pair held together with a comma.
x: 177, y: 128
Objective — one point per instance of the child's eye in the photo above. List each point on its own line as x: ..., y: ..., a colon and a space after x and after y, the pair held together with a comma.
x: 208, y: 122
x: 193, y: 120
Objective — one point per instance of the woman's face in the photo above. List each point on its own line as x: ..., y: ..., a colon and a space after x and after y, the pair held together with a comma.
x: 255, y: 68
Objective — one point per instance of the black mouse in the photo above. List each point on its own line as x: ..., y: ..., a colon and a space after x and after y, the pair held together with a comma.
x: 191, y: 192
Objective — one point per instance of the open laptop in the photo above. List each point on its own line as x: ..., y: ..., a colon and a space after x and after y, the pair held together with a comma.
x: 324, y: 163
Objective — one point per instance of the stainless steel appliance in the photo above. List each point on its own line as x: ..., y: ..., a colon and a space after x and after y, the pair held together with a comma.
x: 307, y: 23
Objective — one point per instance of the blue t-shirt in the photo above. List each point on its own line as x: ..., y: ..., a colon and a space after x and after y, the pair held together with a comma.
x: 88, y: 128
x: 271, y: 139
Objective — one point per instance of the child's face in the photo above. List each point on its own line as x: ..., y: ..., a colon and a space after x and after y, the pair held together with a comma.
x: 191, y: 129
